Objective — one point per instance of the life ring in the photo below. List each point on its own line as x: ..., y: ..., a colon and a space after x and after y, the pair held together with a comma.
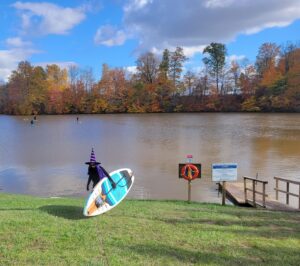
x: 189, y: 172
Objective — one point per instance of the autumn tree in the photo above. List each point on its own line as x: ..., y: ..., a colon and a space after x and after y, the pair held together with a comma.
x: 292, y: 93
x: 248, y: 81
x: 266, y: 58
x: 112, y: 90
x: 287, y: 58
x: 38, y: 92
x: 57, y: 82
x: 235, y: 72
x: 3, y: 98
x: 19, y: 89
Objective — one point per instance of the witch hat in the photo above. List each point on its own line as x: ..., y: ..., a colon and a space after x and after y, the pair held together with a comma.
x: 92, y: 158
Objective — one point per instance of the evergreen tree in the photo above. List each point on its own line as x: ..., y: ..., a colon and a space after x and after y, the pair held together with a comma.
x: 176, y: 64
x: 215, y: 61
x: 165, y: 64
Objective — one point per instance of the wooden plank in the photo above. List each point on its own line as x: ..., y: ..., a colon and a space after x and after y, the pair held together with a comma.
x: 287, y: 180
x: 235, y: 192
x: 290, y: 193
x: 257, y: 192
x: 275, y: 205
x: 256, y: 180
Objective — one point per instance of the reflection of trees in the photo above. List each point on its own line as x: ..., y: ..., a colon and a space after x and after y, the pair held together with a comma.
x: 276, y: 155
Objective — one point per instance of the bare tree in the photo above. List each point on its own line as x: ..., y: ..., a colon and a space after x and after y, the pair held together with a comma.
x: 189, y: 80
x: 87, y: 78
x: 148, y: 67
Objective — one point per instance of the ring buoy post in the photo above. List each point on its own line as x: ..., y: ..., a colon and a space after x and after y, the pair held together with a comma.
x: 189, y: 172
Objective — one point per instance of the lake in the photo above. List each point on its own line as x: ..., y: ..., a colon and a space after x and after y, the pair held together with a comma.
x: 48, y: 158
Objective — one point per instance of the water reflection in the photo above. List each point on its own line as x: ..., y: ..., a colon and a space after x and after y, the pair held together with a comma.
x: 48, y: 158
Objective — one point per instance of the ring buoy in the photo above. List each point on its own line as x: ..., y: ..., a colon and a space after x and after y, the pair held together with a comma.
x: 189, y: 172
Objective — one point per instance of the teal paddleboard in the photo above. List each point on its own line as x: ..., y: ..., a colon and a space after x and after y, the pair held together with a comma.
x: 104, y: 197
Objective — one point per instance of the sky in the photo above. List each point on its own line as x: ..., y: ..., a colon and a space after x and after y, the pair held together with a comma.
x: 89, y: 33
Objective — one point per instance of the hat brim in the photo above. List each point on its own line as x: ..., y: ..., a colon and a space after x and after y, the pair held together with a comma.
x: 92, y: 163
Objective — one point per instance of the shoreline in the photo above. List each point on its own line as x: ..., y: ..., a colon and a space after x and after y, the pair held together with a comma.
x: 145, y: 113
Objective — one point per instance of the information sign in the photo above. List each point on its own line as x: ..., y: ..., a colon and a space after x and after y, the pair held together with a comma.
x: 224, y: 172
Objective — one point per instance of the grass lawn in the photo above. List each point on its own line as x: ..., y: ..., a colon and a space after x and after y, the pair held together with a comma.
x: 40, y: 231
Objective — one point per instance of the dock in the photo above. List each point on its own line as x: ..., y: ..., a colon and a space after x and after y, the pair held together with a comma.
x: 236, y: 194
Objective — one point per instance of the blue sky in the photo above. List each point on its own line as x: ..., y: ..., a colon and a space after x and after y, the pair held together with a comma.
x: 89, y: 33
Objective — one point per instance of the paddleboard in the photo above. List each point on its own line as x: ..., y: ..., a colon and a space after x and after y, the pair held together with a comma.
x: 104, y: 197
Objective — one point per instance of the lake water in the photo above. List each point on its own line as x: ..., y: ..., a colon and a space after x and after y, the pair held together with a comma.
x: 47, y: 159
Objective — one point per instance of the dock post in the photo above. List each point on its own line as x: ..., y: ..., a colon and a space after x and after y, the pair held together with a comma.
x: 253, y: 188
x: 287, y: 193
x: 299, y: 196
x: 276, y: 189
x: 245, y: 189
x: 223, y: 192
x: 264, y: 195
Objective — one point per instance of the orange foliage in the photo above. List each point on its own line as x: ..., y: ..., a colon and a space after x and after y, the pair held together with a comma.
x: 270, y: 76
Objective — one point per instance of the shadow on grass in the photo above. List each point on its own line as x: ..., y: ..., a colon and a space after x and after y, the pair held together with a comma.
x: 190, y: 256
x: 64, y: 211
x: 17, y: 209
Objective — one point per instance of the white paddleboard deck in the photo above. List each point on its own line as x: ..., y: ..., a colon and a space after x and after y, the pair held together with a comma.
x: 104, y: 197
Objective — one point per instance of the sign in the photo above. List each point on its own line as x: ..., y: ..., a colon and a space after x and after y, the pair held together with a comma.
x: 224, y: 172
x: 189, y: 171
x: 189, y: 158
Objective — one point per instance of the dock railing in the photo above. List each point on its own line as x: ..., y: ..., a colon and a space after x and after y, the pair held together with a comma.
x: 254, y: 191
x: 287, y: 191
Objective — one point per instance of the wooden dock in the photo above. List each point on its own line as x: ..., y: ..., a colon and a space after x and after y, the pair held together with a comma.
x: 236, y: 194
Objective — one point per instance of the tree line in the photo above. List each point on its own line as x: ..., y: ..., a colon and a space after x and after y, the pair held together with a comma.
x: 272, y: 83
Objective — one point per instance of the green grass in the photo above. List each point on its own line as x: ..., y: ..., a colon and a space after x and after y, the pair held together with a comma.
x: 38, y: 231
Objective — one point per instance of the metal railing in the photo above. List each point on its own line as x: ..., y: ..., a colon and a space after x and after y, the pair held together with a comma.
x: 287, y: 191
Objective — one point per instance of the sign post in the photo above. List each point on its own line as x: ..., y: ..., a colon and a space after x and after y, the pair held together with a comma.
x: 189, y: 171
x: 189, y: 159
x: 189, y: 191
x: 222, y: 173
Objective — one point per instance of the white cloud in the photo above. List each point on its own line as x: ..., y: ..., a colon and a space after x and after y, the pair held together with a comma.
x: 235, y: 58
x: 131, y: 69
x: 40, y: 19
x: 17, y: 42
x: 218, y: 3
x: 46, y: 18
x: 189, y: 51
x: 109, y: 36
x: 193, y: 24
x: 9, y: 60
x: 136, y: 4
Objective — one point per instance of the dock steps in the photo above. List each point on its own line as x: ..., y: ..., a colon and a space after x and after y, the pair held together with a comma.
x: 235, y: 193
